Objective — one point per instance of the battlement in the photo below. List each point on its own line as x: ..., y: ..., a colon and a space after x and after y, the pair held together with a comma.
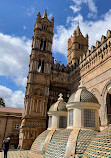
x: 61, y: 68
x: 96, y: 55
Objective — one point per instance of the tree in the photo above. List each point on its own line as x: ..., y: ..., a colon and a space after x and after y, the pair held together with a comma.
x: 2, y: 103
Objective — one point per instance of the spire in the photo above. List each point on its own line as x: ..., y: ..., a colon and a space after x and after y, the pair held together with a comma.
x: 38, y: 16
x: 78, y: 31
x: 45, y: 14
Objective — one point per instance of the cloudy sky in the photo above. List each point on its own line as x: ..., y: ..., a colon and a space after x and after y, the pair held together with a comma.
x: 16, y: 30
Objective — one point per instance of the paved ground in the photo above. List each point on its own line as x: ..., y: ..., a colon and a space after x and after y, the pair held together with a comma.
x: 19, y: 154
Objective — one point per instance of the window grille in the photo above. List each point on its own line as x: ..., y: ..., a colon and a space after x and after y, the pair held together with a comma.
x: 62, y: 122
x: 50, y: 121
x: 89, y: 118
x: 70, y: 117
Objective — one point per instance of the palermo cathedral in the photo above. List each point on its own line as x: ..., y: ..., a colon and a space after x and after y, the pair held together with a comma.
x: 67, y: 109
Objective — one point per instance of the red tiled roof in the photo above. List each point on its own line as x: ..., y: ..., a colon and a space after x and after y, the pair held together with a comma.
x: 10, y: 110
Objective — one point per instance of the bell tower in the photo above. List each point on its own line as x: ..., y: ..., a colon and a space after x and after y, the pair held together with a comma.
x: 38, y: 81
x: 77, y: 46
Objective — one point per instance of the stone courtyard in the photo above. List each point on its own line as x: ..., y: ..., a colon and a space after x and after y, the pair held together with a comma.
x: 19, y: 154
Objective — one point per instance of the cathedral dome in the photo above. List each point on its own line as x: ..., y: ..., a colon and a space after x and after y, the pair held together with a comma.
x: 63, y: 144
x: 60, y: 105
x: 82, y: 95
x: 41, y: 142
x: 100, y: 146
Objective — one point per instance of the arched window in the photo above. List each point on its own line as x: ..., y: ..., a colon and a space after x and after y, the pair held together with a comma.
x: 39, y: 66
x: 44, y: 27
x: 42, y: 66
x: 41, y: 44
x: 44, y: 45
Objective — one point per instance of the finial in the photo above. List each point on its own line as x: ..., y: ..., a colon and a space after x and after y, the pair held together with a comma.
x: 52, y: 19
x: 81, y: 86
x: 38, y: 16
x: 78, y: 23
x: 78, y: 31
x: 74, y: 33
x: 45, y: 14
x: 81, y: 83
x: 60, y: 96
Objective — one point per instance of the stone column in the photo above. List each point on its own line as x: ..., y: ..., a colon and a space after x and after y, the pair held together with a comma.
x: 43, y: 108
x: 37, y: 106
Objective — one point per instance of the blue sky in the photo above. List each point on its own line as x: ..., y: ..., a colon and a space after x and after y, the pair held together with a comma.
x: 16, y: 30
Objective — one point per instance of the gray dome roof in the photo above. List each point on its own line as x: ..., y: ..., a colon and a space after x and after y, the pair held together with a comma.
x: 82, y: 95
x: 60, y: 105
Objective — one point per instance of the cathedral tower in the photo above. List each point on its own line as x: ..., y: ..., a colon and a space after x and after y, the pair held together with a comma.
x: 38, y: 80
x: 77, y: 46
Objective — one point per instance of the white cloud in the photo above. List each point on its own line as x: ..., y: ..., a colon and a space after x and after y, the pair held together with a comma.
x: 50, y: 16
x: 12, y: 99
x: 14, y: 57
x: 95, y: 29
x: 90, y: 3
x: 24, y: 27
x: 75, y: 8
x: 30, y: 11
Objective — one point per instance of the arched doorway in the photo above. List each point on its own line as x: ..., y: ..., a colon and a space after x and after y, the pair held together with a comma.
x: 108, y: 103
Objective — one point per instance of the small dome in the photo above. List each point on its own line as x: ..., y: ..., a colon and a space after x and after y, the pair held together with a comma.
x: 60, y: 105
x: 39, y: 142
x: 100, y: 146
x: 82, y: 95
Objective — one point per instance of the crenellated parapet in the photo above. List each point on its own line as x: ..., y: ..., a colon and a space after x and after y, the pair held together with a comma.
x: 61, y: 68
x: 98, y: 54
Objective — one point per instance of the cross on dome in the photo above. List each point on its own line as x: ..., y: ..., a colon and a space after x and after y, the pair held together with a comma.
x: 81, y: 82
x: 60, y: 96
x: 81, y: 85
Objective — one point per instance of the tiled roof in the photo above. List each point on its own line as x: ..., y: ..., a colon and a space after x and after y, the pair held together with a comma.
x: 82, y: 95
x: 10, y: 110
x: 83, y: 140
x: 57, y: 145
x: 39, y: 142
x: 100, y: 145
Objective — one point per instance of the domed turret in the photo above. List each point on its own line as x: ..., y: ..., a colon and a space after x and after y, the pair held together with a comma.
x: 83, y: 109
x: 58, y: 114
x: 82, y: 95
x: 60, y: 105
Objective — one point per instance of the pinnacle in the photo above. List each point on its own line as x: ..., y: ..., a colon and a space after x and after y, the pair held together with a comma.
x: 45, y: 14
x: 38, y: 16
x: 78, y: 30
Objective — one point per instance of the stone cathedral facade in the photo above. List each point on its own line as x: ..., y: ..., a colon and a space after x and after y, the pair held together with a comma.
x: 46, y: 80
